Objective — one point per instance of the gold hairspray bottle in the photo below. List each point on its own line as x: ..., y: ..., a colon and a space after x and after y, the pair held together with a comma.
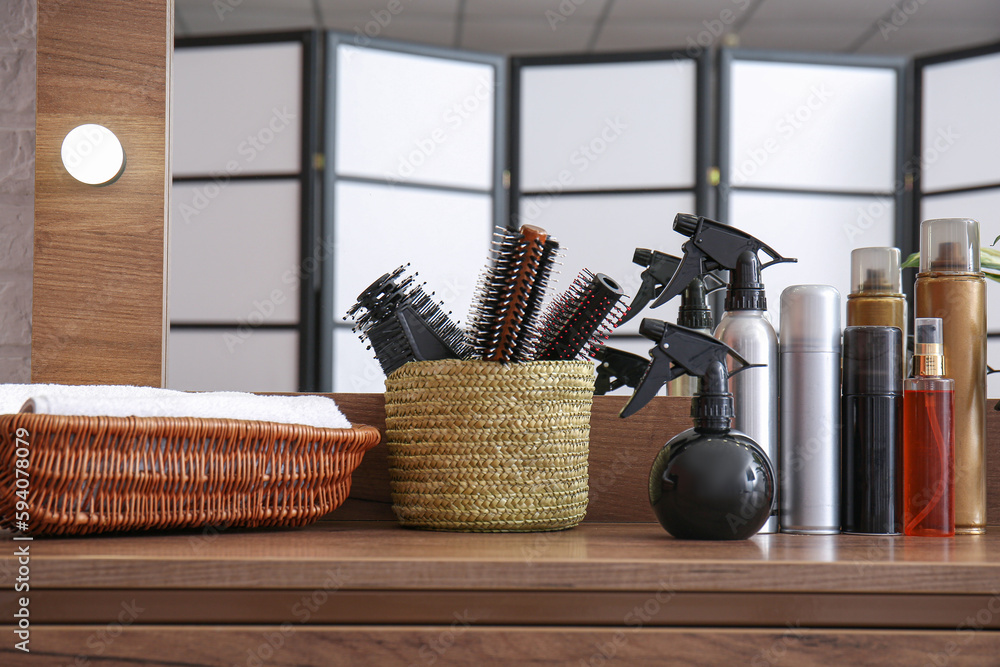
x: 951, y: 286
x: 876, y: 297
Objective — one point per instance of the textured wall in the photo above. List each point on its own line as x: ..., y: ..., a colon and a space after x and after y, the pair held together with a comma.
x: 17, y: 185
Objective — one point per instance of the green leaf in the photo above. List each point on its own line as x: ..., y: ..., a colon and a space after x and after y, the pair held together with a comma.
x: 995, y: 241
x: 989, y: 258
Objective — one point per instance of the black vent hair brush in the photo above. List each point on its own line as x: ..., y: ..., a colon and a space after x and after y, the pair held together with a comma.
x: 580, y: 319
x: 403, y: 323
x: 508, y: 299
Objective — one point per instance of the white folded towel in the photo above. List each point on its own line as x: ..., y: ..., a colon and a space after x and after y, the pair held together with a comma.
x: 125, y: 401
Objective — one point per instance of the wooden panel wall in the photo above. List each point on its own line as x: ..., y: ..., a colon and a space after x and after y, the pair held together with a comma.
x: 99, y: 306
x: 621, y: 452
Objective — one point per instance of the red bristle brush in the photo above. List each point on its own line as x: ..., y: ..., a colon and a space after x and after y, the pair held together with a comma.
x: 512, y: 287
x: 580, y: 318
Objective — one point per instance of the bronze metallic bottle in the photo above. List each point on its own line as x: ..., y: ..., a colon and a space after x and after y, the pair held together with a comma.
x: 876, y: 298
x: 951, y: 286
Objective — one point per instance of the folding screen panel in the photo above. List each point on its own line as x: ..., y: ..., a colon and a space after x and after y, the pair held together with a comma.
x: 958, y: 135
x: 605, y: 151
x: 414, y: 175
x: 243, y: 237
x: 811, y: 159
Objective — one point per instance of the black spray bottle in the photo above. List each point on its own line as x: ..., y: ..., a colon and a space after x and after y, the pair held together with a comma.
x: 708, y: 483
x: 745, y: 326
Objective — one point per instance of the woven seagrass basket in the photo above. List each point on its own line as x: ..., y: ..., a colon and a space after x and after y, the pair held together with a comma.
x: 480, y: 446
x: 102, y: 474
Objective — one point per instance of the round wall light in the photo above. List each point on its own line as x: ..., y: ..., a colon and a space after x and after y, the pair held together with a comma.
x: 93, y: 155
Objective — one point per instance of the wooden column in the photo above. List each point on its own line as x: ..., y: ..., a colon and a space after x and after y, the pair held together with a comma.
x: 99, y: 294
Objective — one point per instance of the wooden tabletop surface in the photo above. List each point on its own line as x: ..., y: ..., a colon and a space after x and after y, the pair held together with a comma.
x: 591, y: 557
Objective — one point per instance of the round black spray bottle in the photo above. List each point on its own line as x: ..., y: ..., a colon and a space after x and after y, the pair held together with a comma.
x: 708, y: 483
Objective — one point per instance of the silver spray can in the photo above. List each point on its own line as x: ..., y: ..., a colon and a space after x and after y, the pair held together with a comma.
x: 746, y: 328
x: 810, y: 410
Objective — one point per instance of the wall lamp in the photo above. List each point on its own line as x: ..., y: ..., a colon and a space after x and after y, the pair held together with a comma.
x: 93, y: 155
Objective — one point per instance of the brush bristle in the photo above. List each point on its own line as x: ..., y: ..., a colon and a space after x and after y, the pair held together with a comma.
x: 374, y: 317
x: 580, y: 319
x: 505, y: 309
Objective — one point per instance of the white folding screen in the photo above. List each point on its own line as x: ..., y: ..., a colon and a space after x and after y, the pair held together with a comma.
x: 959, y: 144
x: 610, y: 125
x: 606, y: 154
x: 237, y: 214
x: 414, y: 119
x: 810, y: 160
x: 960, y: 135
x: 237, y: 109
x: 239, y: 251
x: 803, y: 126
x: 414, y: 142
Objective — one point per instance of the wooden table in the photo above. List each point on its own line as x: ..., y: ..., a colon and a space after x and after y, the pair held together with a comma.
x: 355, y: 591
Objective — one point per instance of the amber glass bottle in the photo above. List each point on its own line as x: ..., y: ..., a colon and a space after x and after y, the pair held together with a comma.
x: 928, y: 438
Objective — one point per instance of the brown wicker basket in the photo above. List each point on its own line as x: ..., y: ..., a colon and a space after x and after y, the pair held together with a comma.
x: 101, y: 474
x: 487, y: 447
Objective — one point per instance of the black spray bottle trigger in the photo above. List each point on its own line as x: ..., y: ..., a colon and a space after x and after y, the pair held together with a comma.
x: 617, y: 368
x: 659, y: 268
x: 711, y: 245
x: 680, y: 350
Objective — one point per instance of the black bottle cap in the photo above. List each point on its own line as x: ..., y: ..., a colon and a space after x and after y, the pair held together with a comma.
x: 872, y: 361
x: 746, y: 291
x: 694, y: 312
x: 712, y: 406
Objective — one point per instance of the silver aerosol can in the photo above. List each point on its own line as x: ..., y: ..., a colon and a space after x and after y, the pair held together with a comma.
x: 810, y: 410
x: 746, y: 328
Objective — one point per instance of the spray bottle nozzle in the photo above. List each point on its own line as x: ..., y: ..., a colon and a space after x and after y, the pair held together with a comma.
x: 643, y: 256
x: 652, y: 329
x: 659, y: 267
x: 711, y: 245
x: 678, y: 351
x: 686, y: 223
